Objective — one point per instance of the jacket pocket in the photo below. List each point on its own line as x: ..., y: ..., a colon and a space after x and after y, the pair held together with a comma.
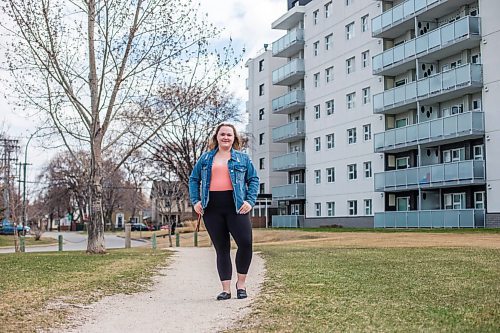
x: 240, y: 172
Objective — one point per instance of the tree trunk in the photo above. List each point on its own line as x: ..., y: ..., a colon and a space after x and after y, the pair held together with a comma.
x: 95, y: 242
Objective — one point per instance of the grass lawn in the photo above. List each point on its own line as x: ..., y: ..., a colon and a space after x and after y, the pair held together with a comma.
x: 8, y: 240
x: 327, y: 288
x: 36, y: 288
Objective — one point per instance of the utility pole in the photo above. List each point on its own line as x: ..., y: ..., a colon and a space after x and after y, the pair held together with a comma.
x: 9, y: 150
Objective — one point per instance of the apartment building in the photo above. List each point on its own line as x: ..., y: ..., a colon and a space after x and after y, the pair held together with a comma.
x: 397, y: 102
x: 261, y: 119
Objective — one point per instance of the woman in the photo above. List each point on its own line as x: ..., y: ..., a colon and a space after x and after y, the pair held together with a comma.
x: 229, y: 184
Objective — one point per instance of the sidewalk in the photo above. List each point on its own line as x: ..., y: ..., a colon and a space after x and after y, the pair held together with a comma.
x: 181, y: 300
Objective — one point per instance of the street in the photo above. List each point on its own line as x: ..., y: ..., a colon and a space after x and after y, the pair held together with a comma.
x: 75, y: 241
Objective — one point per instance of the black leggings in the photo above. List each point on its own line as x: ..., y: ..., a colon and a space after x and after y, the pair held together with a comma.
x: 221, y: 219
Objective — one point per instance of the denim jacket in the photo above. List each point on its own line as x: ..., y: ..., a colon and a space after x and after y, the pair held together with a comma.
x: 243, y: 177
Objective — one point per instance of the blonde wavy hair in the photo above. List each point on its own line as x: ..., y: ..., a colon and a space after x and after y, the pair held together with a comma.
x: 237, y: 144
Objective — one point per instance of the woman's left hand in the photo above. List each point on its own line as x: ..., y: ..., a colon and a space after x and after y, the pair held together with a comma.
x: 245, y: 208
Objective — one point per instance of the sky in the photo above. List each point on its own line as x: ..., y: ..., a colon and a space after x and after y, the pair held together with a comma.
x: 247, y: 23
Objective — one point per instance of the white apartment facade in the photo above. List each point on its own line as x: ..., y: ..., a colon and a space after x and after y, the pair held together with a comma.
x: 399, y: 112
x: 261, y: 120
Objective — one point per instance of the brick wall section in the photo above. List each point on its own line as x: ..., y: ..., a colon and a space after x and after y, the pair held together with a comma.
x: 493, y: 220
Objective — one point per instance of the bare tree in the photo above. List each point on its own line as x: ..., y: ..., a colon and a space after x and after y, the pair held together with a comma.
x: 92, y: 68
x: 176, y: 149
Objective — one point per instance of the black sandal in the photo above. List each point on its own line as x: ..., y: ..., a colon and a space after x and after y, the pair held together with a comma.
x: 223, y: 296
x: 241, y: 293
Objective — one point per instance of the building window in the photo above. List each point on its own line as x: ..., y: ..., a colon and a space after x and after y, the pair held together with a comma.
x: 261, y: 114
x: 402, y: 163
x: 315, y: 17
x: 316, y: 80
x: 330, y: 107
x: 367, y: 167
x: 476, y: 104
x: 328, y: 42
x: 352, y: 172
x: 317, y: 176
x: 317, y: 111
x: 367, y: 132
x: 317, y: 144
x: 329, y: 74
x: 351, y: 135
x: 478, y: 152
x: 454, y: 201
x: 262, y: 188
x: 317, y: 208
x: 330, y: 141
x: 349, y: 31
x: 353, y: 207
x: 261, y: 163
x: 261, y: 90
x: 366, y: 95
x: 479, y: 200
x: 349, y: 65
x: 350, y: 100
x: 365, y: 58
x: 261, y: 65
x: 330, y: 208
x: 330, y: 175
x: 364, y: 23
x: 348, y: 2
x: 368, y: 206
x: 261, y: 138
x: 315, y: 48
x: 328, y: 6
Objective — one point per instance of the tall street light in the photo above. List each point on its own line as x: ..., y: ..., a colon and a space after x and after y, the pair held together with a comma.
x: 24, y: 177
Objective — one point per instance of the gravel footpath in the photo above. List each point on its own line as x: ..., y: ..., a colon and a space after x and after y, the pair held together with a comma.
x: 181, y: 300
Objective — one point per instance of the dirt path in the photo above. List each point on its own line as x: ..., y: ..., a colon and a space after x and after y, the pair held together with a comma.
x: 182, y: 300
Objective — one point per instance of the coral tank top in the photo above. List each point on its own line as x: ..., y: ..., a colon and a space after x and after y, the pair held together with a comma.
x: 220, y: 179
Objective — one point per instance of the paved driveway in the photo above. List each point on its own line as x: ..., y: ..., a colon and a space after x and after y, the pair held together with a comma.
x: 75, y: 241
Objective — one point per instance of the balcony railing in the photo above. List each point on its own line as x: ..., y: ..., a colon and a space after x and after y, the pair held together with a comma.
x: 290, y: 102
x: 397, y: 14
x: 295, y: 191
x: 450, y: 218
x: 440, y: 38
x: 289, y: 44
x: 437, y: 175
x: 291, y: 161
x: 289, y: 73
x: 453, y: 80
x: 458, y: 125
x: 288, y: 221
x: 289, y: 132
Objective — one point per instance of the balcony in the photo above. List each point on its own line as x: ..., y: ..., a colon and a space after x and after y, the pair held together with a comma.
x: 288, y: 221
x: 289, y: 73
x: 444, y: 130
x: 292, y: 131
x: 289, y: 44
x: 295, y: 191
x: 438, y: 44
x: 289, y: 103
x: 290, y: 162
x: 439, y: 87
x: 432, y: 176
x: 290, y: 19
x: 450, y: 218
x: 393, y: 22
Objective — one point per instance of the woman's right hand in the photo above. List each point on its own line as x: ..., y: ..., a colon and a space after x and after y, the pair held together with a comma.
x: 198, y: 209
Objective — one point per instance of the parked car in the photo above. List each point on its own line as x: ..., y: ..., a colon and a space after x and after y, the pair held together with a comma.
x: 7, y: 228
x: 139, y: 227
